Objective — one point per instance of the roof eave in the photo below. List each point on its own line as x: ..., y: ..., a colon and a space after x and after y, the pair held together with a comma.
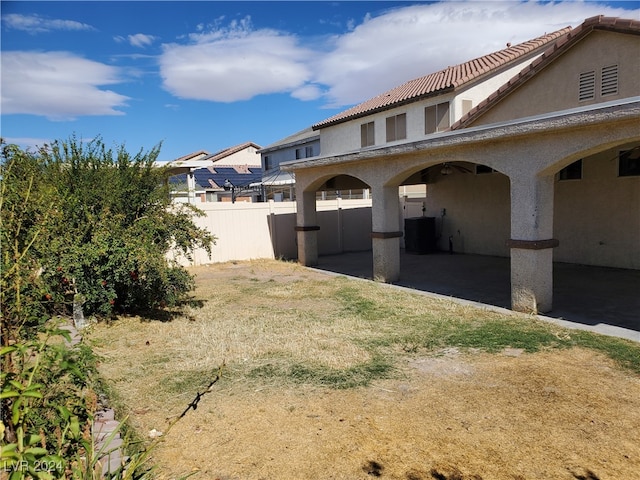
x: 355, y: 116
x: 301, y: 141
x: 550, y: 55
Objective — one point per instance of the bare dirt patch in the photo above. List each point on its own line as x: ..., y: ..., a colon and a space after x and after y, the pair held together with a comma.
x: 444, y: 414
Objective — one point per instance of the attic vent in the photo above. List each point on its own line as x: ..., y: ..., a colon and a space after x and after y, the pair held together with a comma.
x: 587, y: 86
x: 610, y: 80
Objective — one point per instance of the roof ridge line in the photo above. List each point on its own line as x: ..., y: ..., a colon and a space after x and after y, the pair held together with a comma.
x: 444, y: 79
x: 550, y: 54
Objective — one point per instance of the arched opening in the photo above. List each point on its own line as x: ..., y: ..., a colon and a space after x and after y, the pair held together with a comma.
x: 470, y: 205
x: 597, y: 223
x: 462, y: 251
x: 342, y: 214
x: 343, y: 186
x: 597, y: 208
x: 466, y: 207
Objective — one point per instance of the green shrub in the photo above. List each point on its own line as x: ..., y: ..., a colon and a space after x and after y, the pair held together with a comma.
x: 79, y: 221
x: 48, y: 405
x: 97, y: 222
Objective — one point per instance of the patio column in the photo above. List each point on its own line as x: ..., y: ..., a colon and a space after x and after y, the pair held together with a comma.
x: 307, y: 228
x: 191, y: 187
x: 532, y: 244
x: 386, y: 234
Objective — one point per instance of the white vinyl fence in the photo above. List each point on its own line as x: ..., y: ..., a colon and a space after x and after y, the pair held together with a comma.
x: 247, y: 231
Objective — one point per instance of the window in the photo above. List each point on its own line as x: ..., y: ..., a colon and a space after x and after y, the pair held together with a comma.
x: 572, y: 171
x: 268, y: 163
x: 629, y: 163
x: 305, y: 152
x: 436, y: 118
x: 609, y: 80
x: 587, y: 86
x: 367, y: 137
x: 397, y: 127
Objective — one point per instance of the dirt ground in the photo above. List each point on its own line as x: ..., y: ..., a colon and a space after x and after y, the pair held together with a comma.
x: 557, y: 414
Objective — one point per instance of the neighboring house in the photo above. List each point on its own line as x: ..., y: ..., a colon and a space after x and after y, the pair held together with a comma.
x: 223, y: 176
x: 528, y: 151
x: 243, y: 154
x: 278, y: 184
x: 183, y: 184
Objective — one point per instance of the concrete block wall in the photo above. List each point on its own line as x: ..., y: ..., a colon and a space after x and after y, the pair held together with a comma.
x: 248, y: 231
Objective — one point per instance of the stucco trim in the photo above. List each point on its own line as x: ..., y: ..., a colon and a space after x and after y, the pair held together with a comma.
x: 533, y: 244
x: 307, y: 228
x: 386, y: 234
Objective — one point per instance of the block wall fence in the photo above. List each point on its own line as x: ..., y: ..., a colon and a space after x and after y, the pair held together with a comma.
x: 248, y: 231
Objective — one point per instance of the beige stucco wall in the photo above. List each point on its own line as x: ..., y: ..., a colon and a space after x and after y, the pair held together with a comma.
x: 597, y: 218
x: 345, y: 137
x: 477, y: 213
x: 556, y: 87
x: 246, y: 231
x: 248, y: 156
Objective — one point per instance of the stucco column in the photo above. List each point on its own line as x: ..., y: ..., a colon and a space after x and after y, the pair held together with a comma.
x: 386, y: 234
x: 191, y: 187
x: 307, y: 228
x: 532, y: 244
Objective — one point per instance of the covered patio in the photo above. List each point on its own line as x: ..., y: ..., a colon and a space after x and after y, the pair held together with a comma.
x: 602, y: 299
x: 528, y: 151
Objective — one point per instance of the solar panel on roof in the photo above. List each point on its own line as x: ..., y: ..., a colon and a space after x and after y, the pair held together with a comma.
x: 176, y: 179
x: 203, y: 175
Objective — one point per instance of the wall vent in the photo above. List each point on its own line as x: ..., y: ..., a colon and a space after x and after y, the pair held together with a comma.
x: 609, y: 80
x: 587, y: 86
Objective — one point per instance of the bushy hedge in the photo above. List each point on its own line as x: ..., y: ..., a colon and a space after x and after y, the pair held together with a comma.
x: 83, y: 218
x: 78, y: 221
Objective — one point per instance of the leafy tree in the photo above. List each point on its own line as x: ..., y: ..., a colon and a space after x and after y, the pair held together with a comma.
x: 26, y: 211
x: 76, y: 219
x: 83, y: 218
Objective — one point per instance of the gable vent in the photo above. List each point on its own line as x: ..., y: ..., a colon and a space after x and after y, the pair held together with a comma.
x: 610, y: 80
x: 587, y: 86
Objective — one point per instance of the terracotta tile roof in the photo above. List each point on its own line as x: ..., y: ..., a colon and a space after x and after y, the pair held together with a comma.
x: 443, y: 81
x: 190, y: 156
x: 599, y: 22
x: 231, y: 150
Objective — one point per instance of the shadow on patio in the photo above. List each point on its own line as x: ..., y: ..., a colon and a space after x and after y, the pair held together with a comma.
x: 581, y: 294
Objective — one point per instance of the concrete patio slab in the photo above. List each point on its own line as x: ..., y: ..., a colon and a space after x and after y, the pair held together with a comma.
x: 604, y: 300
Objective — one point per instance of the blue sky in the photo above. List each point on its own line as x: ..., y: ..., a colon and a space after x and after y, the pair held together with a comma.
x: 208, y: 75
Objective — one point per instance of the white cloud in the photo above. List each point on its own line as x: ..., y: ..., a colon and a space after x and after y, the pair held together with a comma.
x: 235, y: 62
x: 38, y: 24
x: 307, y: 92
x: 141, y: 40
x: 58, y: 85
x: 406, y: 43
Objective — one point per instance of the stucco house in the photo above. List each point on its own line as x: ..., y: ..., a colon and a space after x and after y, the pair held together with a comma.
x: 226, y: 175
x: 531, y: 152
x: 278, y: 184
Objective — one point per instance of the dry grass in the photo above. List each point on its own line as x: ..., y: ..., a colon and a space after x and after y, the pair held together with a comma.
x: 332, y: 378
